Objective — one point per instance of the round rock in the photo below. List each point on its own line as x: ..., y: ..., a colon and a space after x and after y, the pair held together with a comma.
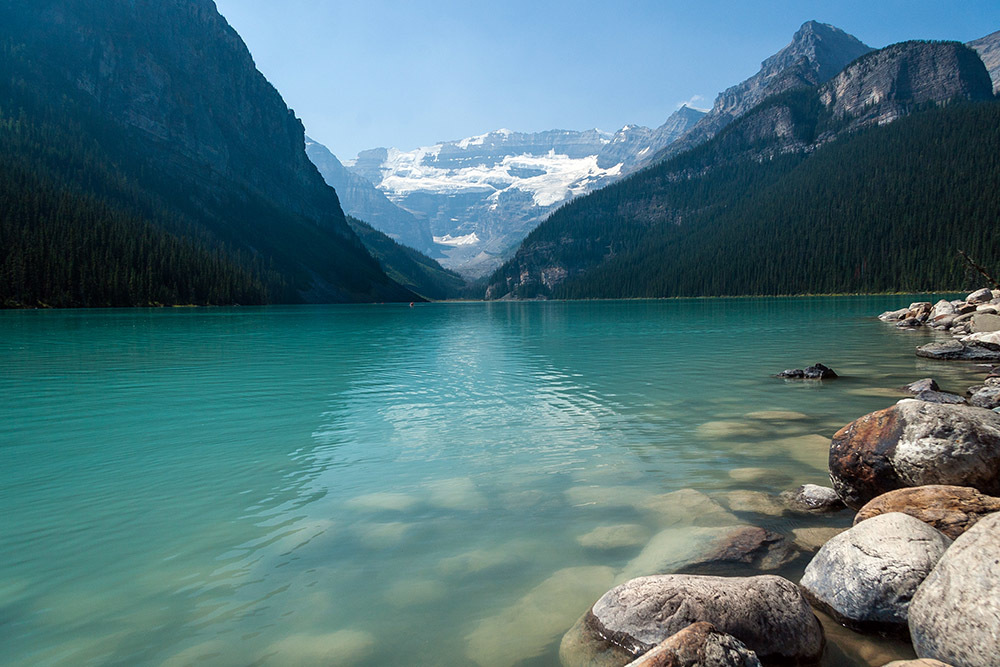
x: 955, y: 615
x: 813, y: 498
x: 915, y: 443
x: 767, y: 613
x: 865, y: 577
x: 950, y: 509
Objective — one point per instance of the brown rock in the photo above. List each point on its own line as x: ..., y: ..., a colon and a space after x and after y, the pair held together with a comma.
x: 915, y: 443
x: 699, y: 645
x: 950, y: 509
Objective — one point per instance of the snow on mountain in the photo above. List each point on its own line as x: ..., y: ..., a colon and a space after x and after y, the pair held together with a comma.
x: 482, y: 195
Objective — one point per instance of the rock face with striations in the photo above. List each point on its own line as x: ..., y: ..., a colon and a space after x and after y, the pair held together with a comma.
x: 170, y: 87
x: 884, y: 85
x: 817, y: 52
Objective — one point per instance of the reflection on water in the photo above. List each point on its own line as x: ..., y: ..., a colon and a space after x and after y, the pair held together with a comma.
x: 453, y: 483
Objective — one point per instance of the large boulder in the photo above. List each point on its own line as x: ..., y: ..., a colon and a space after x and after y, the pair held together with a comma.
x: 985, y: 322
x: 865, y: 577
x: 950, y: 509
x: 915, y: 443
x: 983, y: 295
x: 986, y: 397
x: 767, y: 613
x: 955, y: 615
x: 699, y: 645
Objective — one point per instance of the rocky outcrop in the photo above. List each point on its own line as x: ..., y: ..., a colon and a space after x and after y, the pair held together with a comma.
x: 886, y: 84
x: 699, y: 645
x: 767, y: 613
x: 988, y: 48
x: 633, y: 144
x: 955, y: 614
x: 865, y: 577
x: 950, y: 509
x: 813, y: 498
x: 915, y: 443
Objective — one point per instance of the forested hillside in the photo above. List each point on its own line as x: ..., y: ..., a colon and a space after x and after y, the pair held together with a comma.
x: 811, y: 191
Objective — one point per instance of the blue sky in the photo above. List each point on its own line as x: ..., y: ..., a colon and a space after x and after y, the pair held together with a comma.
x: 372, y: 73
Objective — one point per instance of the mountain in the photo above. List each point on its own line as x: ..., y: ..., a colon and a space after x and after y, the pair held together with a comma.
x: 633, y: 143
x: 816, y: 53
x: 364, y: 201
x: 988, y: 48
x: 749, y: 211
x: 190, y: 141
x: 481, y: 195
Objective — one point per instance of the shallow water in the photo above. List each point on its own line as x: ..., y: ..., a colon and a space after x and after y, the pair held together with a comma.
x: 452, y: 483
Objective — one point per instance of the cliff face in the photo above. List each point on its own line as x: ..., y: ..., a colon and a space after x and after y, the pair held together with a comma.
x: 362, y: 200
x: 817, y: 52
x: 988, y: 48
x: 173, y: 84
x: 886, y: 84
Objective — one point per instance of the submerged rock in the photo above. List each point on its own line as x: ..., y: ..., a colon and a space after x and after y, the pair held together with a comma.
x: 865, y: 577
x: 614, y: 537
x: 813, y: 498
x: 915, y: 443
x: 955, y: 614
x: 754, y: 502
x: 767, y: 613
x: 693, y: 548
x: 699, y: 645
x: 950, y: 509
x: 811, y: 539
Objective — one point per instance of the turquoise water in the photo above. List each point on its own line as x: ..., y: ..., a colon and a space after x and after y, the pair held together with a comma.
x: 375, y: 484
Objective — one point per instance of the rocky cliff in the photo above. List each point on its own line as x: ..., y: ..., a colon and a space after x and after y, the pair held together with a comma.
x: 817, y: 52
x: 172, y: 88
x: 633, y: 144
x: 988, y: 48
x: 362, y: 200
x: 887, y: 84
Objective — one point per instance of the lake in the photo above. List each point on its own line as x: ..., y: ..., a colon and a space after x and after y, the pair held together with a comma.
x: 447, y: 484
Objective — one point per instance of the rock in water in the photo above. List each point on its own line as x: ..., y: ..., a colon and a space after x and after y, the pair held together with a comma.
x: 950, y: 509
x: 813, y: 498
x: 955, y: 615
x: 814, y: 372
x: 699, y: 645
x: 941, y: 397
x: 915, y: 443
x: 954, y: 349
x: 866, y: 576
x: 767, y: 613
x: 927, y: 384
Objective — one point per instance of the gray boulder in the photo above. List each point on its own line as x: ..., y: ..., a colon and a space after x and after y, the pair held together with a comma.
x: 979, y: 296
x: 942, y: 397
x: 942, y: 307
x: 926, y: 384
x: 915, y: 443
x: 986, y: 397
x: 813, y: 498
x: 866, y: 576
x: 894, y: 315
x: 767, y: 613
x: 955, y: 614
x: 953, y: 349
x: 699, y: 645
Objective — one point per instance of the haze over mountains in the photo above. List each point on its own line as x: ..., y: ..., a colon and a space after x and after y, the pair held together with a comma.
x: 477, y: 198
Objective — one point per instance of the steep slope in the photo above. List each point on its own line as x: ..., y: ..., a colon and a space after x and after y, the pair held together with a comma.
x: 817, y: 52
x: 171, y: 96
x: 408, y: 267
x: 364, y: 201
x: 639, y: 221
x: 988, y: 48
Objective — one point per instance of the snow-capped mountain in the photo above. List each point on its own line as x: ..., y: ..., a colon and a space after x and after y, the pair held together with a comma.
x: 482, y: 195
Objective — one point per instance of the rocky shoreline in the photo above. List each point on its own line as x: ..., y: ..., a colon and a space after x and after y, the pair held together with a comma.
x: 919, y: 563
